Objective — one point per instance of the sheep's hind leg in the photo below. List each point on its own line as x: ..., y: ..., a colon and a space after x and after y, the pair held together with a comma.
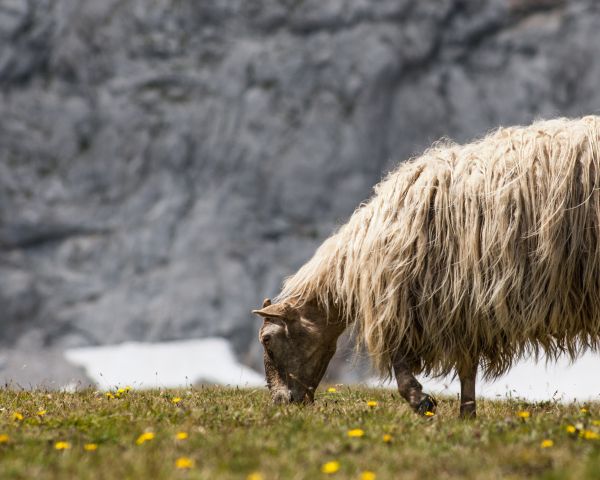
x: 411, y: 390
x: 467, y: 392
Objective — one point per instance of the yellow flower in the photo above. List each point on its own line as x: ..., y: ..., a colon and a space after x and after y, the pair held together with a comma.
x: 181, y: 435
x: 571, y: 429
x: 4, y: 438
x: 547, y: 443
x: 18, y: 417
x: 41, y: 413
x: 584, y: 410
x: 184, y: 462
x: 128, y: 388
x: 356, y: 432
x: 387, y: 438
x: 330, y: 467
x: 372, y: 403
x: 62, y: 445
x: 90, y: 447
x: 367, y: 475
x: 121, y: 390
x: 596, y: 423
x: 523, y: 414
x: 331, y: 390
x: 255, y: 476
x: 589, y: 435
x: 144, y: 437
x: 109, y: 395
x: 429, y: 414
x: 176, y: 400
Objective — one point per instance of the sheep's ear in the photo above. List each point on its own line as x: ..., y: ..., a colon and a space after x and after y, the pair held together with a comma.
x: 277, y: 310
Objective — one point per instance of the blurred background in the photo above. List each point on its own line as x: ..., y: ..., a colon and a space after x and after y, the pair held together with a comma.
x: 164, y: 164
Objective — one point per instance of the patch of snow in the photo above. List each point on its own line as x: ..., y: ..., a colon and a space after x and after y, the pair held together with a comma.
x: 527, y: 379
x: 211, y: 360
x: 168, y: 364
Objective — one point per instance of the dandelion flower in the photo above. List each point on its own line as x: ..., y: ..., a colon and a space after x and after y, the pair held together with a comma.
x: 523, y: 414
x: 109, y: 395
x: 372, y: 403
x: 90, y: 447
x: 17, y: 417
x: 330, y: 467
x: 331, y: 390
x: 255, y: 476
x: 176, y: 400
x: 144, y: 437
x: 367, y: 475
x: 429, y: 414
x: 387, y: 438
x: 596, y: 423
x: 547, y: 443
x: 181, y: 435
x: 128, y: 388
x: 584, y: 410
x: 356, y: 433
x: 121, y: 390
x: 62, y: 445
x: 571, y: 429
x: 183, y: 463
x: 589, y: 435
x: 4, y: 438
x: 41, y: 413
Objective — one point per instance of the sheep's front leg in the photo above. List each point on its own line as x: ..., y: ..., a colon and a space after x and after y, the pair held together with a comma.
x: 467, y: 377
x: 411, y: 390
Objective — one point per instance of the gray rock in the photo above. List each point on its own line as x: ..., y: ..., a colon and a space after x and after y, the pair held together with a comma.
x: 164, y: 164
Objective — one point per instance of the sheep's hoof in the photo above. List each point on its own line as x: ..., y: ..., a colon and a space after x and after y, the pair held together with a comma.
x: 426, y: 406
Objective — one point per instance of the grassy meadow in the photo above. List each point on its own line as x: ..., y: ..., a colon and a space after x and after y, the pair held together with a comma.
x: 349, y: 432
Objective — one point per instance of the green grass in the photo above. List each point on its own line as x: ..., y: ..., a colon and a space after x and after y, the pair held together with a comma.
x: 233, y: 433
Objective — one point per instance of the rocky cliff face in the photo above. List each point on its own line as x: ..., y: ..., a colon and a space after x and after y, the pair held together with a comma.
x: 164, y: 163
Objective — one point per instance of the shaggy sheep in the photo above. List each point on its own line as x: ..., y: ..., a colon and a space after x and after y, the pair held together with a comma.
x: 467, y: 256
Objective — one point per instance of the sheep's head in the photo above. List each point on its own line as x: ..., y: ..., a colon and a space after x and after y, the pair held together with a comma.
x: 298, y: 344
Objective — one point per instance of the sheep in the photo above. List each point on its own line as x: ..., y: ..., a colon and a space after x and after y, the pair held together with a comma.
x: 467, y: 257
